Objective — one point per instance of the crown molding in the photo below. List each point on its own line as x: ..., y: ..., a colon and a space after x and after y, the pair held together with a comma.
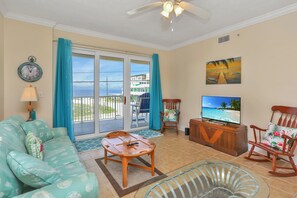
x: 29, y: 19
x: 226, y: 30
x: 238, y: 26
x: 87, y: 32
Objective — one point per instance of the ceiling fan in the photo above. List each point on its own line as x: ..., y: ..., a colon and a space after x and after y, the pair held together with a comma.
x: 170, y: 6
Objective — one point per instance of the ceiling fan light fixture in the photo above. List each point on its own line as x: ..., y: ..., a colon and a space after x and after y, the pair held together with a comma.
x: 178, y: 10
x: 168, y: 6
x: 165, y: 14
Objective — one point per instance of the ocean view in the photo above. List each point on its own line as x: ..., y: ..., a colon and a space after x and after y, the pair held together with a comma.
x: 83, y: 92
x: 221, y: 114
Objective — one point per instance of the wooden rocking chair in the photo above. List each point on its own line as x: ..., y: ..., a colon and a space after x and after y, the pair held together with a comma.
x: 170, y: 104
x: 286, y: 117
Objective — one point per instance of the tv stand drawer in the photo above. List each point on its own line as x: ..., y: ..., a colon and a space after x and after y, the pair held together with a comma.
x: 231, y: 138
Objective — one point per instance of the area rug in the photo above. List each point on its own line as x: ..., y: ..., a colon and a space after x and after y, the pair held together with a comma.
x: 137, y: 177
x: 95, y: 143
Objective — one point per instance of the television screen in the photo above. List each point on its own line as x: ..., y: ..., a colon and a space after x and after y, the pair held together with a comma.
x: 220, y: 108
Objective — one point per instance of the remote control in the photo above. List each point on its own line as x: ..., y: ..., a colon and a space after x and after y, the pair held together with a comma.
x: 133, y: 143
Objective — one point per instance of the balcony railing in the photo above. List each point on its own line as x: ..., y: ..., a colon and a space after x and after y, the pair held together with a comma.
x: 110, y: 107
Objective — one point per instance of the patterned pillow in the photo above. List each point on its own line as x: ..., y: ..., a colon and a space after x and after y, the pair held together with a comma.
x: 39, y: 128
x: 34, y: 146
x: 32, y: 171
x: 170, y: 115
x: 273, y: 135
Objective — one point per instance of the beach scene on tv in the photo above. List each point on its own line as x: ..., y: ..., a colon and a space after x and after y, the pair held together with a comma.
x: 226, y: 109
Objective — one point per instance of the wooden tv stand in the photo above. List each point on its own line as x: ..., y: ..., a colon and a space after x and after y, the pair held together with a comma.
x: 229, y: 138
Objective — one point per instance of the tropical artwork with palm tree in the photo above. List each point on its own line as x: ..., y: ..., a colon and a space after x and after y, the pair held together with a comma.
x: 225, y: 71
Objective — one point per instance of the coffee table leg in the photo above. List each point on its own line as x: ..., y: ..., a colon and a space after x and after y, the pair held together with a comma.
x: 153, y: 162
x: 105, y: 156
x: 125, y: 171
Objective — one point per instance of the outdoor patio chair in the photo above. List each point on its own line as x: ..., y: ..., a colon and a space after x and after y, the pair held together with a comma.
x: 142, y: 107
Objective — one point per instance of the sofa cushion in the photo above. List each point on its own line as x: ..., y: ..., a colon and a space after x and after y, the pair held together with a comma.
x: 39, y: 128
x: 34, y: 146
x: 57, y: 143
x: 32, y: 171
x: 61, y: 157
x: 72, y: 169
x: 85, y: 185
x: 16, y: 121
x: 11, y: 137
x: 9, y: 186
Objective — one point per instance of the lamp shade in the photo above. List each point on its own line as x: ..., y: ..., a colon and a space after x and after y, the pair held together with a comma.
x: 29, y: 94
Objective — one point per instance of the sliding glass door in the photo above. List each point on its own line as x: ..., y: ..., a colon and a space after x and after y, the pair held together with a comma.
x: 110, y: 92
x: 83, y: 94
x: 139, y: 92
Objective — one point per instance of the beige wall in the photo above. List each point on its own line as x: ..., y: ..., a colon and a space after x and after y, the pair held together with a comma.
x: 25, y: 39
x: 21, y: 41
x: 1, y: 67
x: 269, y: 67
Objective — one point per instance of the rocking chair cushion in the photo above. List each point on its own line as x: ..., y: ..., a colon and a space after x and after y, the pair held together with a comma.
x: 170, y: 115
x: 273, y: 136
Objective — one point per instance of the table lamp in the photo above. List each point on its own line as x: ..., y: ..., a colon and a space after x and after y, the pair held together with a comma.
x: 29, y: 95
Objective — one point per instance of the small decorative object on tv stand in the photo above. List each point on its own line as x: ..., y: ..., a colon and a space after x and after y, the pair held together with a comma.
x: 230, y: 139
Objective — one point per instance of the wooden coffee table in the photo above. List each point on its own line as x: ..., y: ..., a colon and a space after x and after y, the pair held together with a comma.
x: 117, y: 143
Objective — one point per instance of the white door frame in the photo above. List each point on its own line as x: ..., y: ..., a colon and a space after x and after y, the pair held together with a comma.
x: 126, y: 92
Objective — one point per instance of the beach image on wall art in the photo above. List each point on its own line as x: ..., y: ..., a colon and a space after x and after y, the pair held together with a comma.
x: 225, y: 71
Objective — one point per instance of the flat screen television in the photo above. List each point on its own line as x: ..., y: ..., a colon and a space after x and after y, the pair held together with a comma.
x: 221, y: 108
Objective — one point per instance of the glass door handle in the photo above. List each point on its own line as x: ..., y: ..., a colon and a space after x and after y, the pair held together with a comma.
x: 124, y: 100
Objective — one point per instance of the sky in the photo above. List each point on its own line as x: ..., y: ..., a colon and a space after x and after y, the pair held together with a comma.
x: 83, y: 67
x: 83, y: 70
x: 216, y: 101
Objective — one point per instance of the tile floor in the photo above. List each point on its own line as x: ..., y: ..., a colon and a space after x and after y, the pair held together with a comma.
x: 173, y: 152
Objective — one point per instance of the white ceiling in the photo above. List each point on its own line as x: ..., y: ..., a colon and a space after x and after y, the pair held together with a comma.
x: 108, y: 18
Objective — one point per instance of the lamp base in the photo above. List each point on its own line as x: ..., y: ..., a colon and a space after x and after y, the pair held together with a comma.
x: 30, y: 117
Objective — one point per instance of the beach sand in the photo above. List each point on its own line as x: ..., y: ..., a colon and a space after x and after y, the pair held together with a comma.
x: 234, y: 115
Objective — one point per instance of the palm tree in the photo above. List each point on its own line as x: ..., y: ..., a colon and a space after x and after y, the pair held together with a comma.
x: 235, y: 104
x: 223, y: 61
x: 223, y: 105
x: 222, y: 76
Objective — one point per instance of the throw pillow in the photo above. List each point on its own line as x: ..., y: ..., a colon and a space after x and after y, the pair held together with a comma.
x: 170, y: 115
x: 34, y: 146
x: 39, y: 128
x: 273, y: 136
x: 32, y: 171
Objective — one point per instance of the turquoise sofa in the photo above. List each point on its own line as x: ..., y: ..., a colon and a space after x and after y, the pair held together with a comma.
x: 59, y: 153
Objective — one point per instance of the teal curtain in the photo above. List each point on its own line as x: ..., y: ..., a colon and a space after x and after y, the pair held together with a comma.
x: 63, y: 89
x: 155, y: 95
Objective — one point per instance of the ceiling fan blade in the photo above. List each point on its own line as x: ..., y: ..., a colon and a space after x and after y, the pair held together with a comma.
x: 200, y: 12
x: 145, y: 8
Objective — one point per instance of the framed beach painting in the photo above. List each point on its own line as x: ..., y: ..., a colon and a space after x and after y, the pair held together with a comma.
x: 225, y: 71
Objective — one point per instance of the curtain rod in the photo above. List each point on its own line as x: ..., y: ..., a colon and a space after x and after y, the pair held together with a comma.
x: 92, y: 47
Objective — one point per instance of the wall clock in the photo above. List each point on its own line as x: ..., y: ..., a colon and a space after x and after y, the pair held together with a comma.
x: 30, y: 71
